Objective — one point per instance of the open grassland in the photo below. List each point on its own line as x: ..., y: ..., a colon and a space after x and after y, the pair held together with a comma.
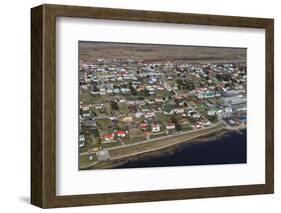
x: 90, y: 51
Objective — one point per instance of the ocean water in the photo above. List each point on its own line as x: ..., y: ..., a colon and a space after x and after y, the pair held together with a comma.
x: 230, y: 148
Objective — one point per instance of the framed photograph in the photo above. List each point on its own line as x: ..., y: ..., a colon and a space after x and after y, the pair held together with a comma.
x: 136, y: 106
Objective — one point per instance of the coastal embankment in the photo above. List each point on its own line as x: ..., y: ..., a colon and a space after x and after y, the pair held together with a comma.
x: 120, y: 155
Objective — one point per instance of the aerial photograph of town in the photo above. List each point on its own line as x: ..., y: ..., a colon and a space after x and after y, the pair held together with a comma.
x: 158, y: 105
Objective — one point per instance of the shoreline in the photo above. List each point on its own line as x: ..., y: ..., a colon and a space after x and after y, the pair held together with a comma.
x: 169, y: 149
x: 112, y: 164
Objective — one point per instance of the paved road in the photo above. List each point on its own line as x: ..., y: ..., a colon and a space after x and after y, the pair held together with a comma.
x: 155, y: 139
x: 148, y: 147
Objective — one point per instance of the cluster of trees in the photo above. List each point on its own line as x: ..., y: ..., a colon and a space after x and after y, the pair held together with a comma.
x: 95, y: 88
x: 178, y: 101
x: 218, y: 89
x: 114, y: 105
x: 213, y: 118
x: 223, y: 77
x: 135, y: 93
x: 133, y: 90
x: 93, y: 113
x: 193, y: 120
x: 189, y: 85
x: 178, y: 126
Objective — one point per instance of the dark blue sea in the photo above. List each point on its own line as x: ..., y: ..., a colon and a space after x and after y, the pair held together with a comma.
x: 229, y: 148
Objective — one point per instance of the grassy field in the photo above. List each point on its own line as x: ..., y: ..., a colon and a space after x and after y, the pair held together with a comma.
x: 84, y: 161
x: 90, y: 51
x: 113, y: 144
x: 164, y: 119
x: 103, y: 125
x: 123, y: 108
x: 86, y: 97
x: 134, y: 139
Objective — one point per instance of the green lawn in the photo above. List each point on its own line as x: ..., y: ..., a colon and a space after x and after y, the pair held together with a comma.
x: 109, y: 145
x: 163, y: 93
x: 158, y: 135
x: 164, y: 119
x: 186, y: 127
x: 90, y: 142
x: 103, y: 125
x: 107, y: 108
x: 86, y: 97
x: 85, y: 161
x: 123, y: 108
x: 134, y: 139
x: 203, y: 111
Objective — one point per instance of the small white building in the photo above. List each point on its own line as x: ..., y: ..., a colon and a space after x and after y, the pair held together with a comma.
x: 81, y: 140
x: 170, y: 126
x: 138, y: 114
x: 109, y: 91
x: 155, y: 127
x: 102, y: 92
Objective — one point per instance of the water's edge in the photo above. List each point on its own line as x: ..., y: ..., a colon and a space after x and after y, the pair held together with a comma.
x: 224, y: 147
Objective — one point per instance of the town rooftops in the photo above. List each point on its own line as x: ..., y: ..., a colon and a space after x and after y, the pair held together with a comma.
x: 90, y: 123
x: 235, y: 100
x: 108, y: 136
x: 143, y: 125
x: 121, y: 133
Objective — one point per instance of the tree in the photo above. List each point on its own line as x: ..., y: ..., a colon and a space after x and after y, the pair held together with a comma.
x: 95, y: 89
x: 114, y: 105
x: 177, y: 101
x: 190, y: 86
x: 174, y: 119
x: 178, y: 126
x: 93, y: 113
x: 167, y: 108
x: 146, y: 92
x: 213, y: 118
x: 133, y: 90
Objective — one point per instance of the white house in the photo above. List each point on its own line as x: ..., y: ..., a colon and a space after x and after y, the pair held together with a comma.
x: 102, y: 91
x: 211, y: 112
x: 170, y: 126
x: 109, y: 91
x: 138, y: 114
x: 81, y: 140
x: 155, y: 127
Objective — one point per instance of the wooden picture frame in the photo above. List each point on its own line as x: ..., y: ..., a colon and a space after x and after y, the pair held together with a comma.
x: 43, y: 105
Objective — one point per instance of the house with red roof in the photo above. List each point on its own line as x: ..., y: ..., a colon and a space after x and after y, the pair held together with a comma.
x: 108, y: 137
x: 143, y: 125
x: 120, y: 133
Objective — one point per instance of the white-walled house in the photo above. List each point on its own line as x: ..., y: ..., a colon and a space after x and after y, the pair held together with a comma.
x: 155, y: 127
